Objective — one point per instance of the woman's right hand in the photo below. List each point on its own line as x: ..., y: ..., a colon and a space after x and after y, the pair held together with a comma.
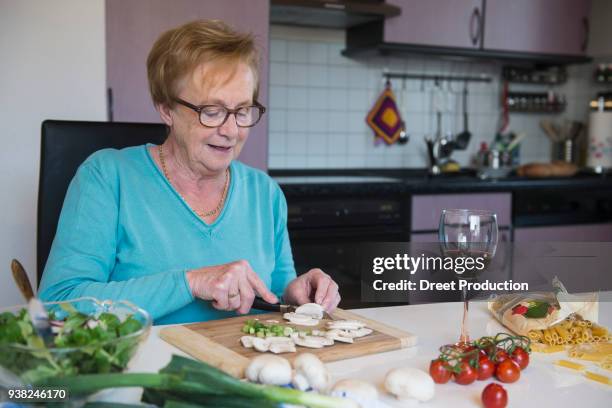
x: 230, y: 286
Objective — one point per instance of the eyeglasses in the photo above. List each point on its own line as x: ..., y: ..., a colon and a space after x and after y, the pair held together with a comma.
x: 213, y: 116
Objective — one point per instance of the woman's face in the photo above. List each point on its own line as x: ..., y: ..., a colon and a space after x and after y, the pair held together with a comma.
x: 210, y: 150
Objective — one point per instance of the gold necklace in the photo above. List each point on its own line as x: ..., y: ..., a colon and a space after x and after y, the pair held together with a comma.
x: 201, y: 214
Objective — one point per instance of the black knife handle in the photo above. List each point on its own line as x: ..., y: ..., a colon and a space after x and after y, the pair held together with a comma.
x: 260, y: 304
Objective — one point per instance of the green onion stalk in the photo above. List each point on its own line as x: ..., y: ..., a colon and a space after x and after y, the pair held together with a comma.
x: 187, y: 379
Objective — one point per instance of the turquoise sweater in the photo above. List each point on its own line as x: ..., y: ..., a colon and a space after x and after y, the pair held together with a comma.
x: 125, y: 233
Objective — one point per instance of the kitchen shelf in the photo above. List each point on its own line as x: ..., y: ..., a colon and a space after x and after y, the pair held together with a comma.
x: 523, y: 75
x: 531, y: 102
x: 407, y: 50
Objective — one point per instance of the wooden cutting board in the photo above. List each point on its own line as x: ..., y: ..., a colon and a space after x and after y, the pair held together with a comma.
x: 217, y: 342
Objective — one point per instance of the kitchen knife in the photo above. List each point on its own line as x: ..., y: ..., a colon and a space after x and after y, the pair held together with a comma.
x: 260, y: 304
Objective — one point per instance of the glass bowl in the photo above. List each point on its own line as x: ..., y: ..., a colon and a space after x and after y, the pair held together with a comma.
x: 95, y: 337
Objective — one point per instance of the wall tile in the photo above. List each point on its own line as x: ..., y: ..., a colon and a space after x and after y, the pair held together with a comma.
x: 337, y: 122
x: 318, y: 75
x: 319, y: 100
x: 278, y: 50
x: 278, y: 73
x: 316, y: 144
x: 278, y: 121
x: 278, y: 97
x: 338, y: 77
x: 297, y: 75
x: 334, y: 55
x: 338, y: 99
x: 317, y: 121
x: 297, y: 144
x: 278, y: 143
x: 297, y: 51
x: 297, y: 98
x: 318, y: 53
x: 297, y: 120
x: 337, y: 144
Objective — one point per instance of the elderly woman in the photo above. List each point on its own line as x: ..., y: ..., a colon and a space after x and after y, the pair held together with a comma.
x: 183, y: 229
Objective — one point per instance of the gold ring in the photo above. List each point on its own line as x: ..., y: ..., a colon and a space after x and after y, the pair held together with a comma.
x: 233, y: 295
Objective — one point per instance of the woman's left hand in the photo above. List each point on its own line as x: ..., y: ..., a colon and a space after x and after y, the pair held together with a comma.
x: 313, y: 286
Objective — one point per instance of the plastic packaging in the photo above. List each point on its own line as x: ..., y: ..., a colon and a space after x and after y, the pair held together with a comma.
x: 523, y: 312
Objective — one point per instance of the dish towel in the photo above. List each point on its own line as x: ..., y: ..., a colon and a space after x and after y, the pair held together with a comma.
x: 384, y: 117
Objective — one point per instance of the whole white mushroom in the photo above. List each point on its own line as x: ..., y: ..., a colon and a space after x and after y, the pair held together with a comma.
x: 269, y: 369
x: 351, y: 387
x: 310, y: 372
x: 410, y: 383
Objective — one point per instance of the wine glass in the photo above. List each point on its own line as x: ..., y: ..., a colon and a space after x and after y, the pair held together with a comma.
x: 468, y: 234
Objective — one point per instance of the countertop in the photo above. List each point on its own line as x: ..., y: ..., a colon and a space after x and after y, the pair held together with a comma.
x: 418, y: 181
x: 540, y: 385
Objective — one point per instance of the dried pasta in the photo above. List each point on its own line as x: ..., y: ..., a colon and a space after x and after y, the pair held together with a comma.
x: 571, y: 331
x: 598, y: 377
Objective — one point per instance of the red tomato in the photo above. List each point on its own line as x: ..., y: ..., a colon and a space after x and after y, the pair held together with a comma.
x: 440, y: 371
x: 494, y: 396
x: 471, y: 354
x: 520, y: 357
x: 500, y: 355
x: 486, y: 368
x: 508, y: 371
x: 467, y: 375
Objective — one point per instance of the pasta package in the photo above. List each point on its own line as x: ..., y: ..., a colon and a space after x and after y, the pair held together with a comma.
x: 539, y: 313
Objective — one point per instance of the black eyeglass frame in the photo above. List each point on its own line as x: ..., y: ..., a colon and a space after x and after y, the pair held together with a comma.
x: 199, y: 109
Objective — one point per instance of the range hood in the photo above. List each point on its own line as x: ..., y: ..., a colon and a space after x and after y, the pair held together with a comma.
x: 330, y: 13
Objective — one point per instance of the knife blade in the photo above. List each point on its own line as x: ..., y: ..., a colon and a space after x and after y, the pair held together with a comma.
x: 260, y: 304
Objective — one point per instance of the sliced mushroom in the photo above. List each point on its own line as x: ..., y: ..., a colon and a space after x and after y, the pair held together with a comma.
x: 311, y: 341
x: 300, y: 319
x: 278, y: 339
x: 278, y: 348
x: 260, y: 344
x: 247, y: 341
x: 364, y: 331
x: 345, y: 324
x: 313, y: 310
x: 338, y: 335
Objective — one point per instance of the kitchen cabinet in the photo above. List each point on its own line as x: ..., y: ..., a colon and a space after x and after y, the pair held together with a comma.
x: 537, y: 26
x: 535, y: 31
x: 456, y: 23
x: 601, y: 29
x: 133, y: 26
x: 569, y: 233
x: 426, y: 208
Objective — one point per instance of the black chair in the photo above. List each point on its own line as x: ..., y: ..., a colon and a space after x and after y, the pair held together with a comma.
x: 64, y: 146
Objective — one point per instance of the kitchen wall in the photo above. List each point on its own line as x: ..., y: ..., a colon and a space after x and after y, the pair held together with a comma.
x: 52, y: 68
x: 319, y: 101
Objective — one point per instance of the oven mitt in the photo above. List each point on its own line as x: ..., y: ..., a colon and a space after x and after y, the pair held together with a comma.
x: 384, y: 117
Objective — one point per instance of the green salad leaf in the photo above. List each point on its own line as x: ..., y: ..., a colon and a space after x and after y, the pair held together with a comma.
x: 102, y: 344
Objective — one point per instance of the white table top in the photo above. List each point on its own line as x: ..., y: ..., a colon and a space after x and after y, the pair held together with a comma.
x: 541, y: 385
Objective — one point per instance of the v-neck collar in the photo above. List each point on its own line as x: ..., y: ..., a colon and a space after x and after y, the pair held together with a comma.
x: 167, y: 183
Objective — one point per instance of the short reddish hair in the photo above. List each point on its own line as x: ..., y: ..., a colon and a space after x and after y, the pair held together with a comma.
x: 179, y: 51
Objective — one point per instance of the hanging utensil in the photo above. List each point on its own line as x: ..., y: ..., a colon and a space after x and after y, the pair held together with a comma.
x: 463, y: 139
x: 403, y: 137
